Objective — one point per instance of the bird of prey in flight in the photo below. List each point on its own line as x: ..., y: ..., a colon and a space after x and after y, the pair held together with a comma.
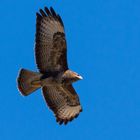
x: 54, y: 77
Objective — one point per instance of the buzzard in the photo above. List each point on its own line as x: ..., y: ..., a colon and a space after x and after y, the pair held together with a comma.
x: 54, y: 76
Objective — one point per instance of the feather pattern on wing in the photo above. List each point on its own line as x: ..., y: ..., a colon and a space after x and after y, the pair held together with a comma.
x: 50, y: 42
x: 63, y: 101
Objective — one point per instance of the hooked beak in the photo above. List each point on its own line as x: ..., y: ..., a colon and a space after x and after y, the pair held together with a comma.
x: 80, y: 77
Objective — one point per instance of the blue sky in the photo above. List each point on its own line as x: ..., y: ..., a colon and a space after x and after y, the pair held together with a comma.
x: 103, y: 38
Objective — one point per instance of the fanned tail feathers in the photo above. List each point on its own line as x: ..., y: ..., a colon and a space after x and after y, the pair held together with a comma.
x: 25, y: 81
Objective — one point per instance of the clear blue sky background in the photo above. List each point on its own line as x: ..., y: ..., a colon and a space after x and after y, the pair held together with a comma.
x: 103, y: 38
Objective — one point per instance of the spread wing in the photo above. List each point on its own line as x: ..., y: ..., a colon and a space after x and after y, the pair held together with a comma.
x: 50, y: 42
x: 63, y: 101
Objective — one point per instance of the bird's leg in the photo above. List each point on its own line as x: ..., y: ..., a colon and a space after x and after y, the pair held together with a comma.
x: 47, y: 82
x: 36, y: 83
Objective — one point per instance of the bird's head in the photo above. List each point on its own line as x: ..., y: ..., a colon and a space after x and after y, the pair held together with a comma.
x: 70, y: 76
x: 76, y: 76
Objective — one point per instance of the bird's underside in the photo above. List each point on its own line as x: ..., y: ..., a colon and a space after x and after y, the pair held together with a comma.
x: 53, y: 77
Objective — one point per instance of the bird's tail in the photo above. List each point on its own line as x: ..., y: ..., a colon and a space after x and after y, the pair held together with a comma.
x: 28, y: 81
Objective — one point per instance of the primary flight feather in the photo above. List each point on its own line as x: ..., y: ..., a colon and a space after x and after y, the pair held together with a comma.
x: 54, y: 76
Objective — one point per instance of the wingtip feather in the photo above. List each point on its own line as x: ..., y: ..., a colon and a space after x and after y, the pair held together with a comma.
x: 42, y: 13
x: 47, y: 11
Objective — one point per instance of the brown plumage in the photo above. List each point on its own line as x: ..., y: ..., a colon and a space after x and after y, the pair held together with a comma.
x: 50, y: 44
x: 53, y: 77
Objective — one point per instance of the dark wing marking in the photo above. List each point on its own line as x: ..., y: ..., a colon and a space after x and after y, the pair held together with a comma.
x: 50, y: 42
x: 63, y: 101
